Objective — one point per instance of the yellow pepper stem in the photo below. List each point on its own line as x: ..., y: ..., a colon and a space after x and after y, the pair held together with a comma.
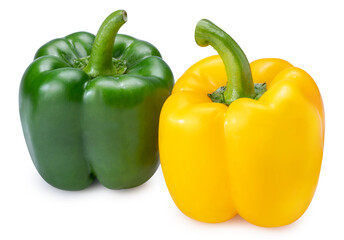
x: 239, y: 77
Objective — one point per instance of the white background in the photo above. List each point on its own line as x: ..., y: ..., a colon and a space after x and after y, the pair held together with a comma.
x: 309, y: 34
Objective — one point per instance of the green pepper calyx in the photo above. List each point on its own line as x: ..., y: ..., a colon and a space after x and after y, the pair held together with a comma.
x: 120, y: 66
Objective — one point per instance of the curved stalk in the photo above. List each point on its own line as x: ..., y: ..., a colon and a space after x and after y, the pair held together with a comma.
x: 100, y: 62
x: 239, y: 77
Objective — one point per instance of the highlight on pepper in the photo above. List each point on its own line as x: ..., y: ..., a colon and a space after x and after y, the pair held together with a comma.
x: 90, y: 105
x: 240, y: 138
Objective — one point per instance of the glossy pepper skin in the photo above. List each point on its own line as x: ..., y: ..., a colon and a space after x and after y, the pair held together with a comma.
x: 257, y: 158
x: 90, y: 107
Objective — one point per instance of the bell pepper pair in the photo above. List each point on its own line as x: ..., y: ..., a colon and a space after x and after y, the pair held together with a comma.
x: 234, y: 138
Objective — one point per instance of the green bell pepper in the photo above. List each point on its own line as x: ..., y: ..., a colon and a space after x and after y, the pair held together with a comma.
x: 90, y: 106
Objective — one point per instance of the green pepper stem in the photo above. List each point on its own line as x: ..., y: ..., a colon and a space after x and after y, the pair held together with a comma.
x: 239, y: 77
x: 100, y: 63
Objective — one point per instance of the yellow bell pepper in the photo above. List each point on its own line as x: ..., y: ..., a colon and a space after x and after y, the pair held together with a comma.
x: 238, y: 149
